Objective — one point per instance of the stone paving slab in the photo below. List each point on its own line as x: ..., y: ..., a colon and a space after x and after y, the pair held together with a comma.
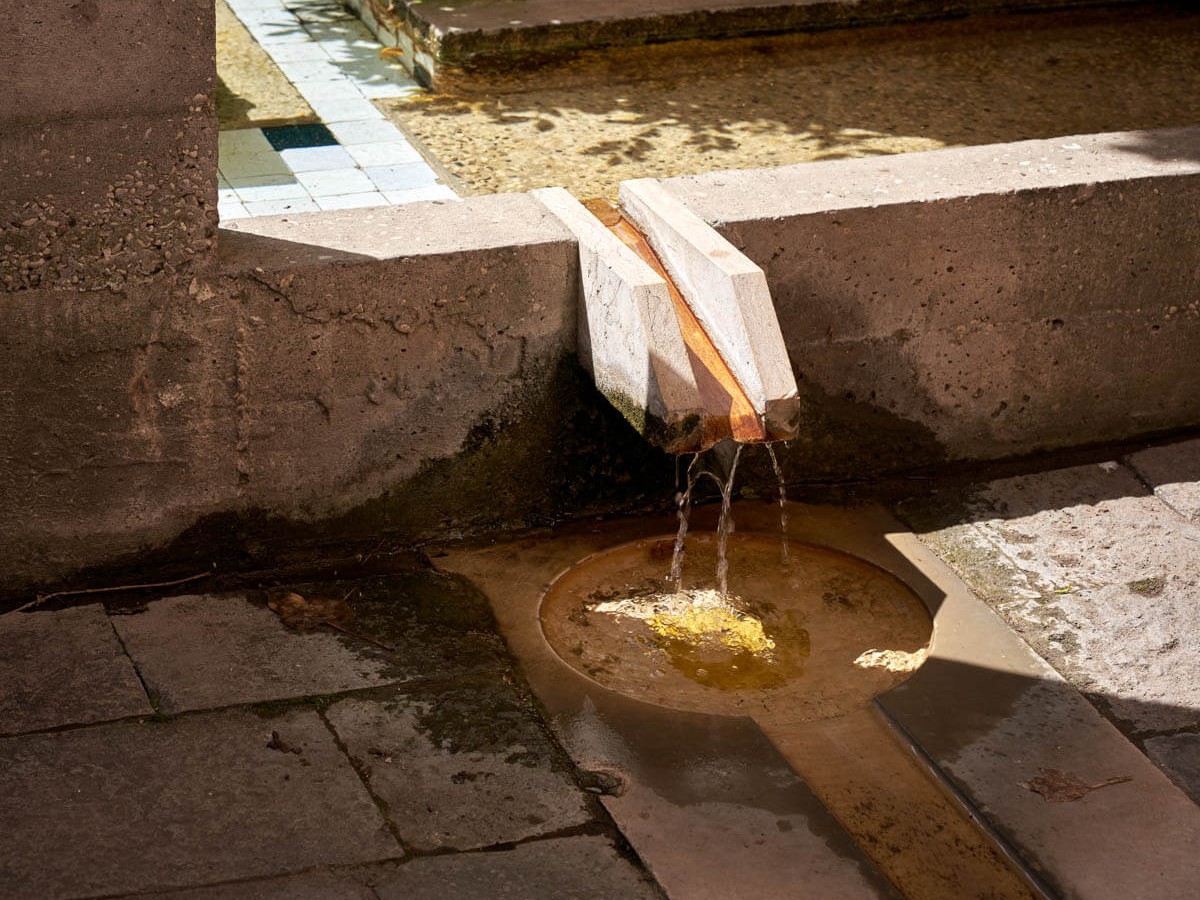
x: 576, y: 868
x: 1101, y: 577
x: 64, y: 668
x: 138, y: 807
x: 206, y: 651
x: 1173, y: 471
x: 1179, y: 756
x: 309, y: 886
x: 460, y: 768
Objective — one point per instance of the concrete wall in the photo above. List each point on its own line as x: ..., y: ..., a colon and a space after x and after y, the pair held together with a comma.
x: 409, y: 371
x: 332, y: 376
x: 978, y: 303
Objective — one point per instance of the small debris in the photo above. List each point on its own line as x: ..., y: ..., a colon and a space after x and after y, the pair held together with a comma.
x: 607, y: 784
x: 305, y: 614
x: 1057, y: 786
x: 277, y: 743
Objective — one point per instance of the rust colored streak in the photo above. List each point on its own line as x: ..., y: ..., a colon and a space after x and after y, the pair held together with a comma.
x: 728, y: 411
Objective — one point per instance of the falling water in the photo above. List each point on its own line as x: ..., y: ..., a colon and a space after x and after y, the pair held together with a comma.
x: 684, y: 499
x: 783, y: 518
x: 725, y: 526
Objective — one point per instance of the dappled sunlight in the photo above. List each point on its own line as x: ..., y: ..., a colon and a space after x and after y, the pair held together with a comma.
x: 599, y: 118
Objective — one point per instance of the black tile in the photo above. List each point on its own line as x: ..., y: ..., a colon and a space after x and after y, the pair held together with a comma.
x: 289, y: 137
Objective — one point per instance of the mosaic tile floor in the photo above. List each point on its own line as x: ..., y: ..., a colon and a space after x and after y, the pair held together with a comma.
x: 355, y: 157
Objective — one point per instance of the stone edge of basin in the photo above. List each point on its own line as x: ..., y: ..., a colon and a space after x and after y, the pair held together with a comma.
x: 740, y: 195
x: 1011, y: 738
x: 985, y: 714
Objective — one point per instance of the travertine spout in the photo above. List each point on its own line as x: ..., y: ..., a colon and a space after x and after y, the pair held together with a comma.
x: 677, y: 327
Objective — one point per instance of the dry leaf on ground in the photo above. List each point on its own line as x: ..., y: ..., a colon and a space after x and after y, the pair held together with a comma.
x: 1057, y: 786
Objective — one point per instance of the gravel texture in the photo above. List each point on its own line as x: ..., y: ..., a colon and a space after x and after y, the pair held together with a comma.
x: 598, y: 118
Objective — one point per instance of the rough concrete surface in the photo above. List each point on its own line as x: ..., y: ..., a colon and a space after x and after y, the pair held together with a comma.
x: 1097, y: 574
x: 991, y: 328
x: 206, y: 651
x: 1179, y: 756
x: 1173, y: 472
x: 576, y: 868
x: 459, y: 769
x: 64, y: 668
x: 139, y: 806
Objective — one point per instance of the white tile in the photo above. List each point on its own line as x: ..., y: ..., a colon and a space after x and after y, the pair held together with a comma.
x: 240, y: 166
x: 270, y: 187
x: 344, y: 110
x: 365, y: 131
x: 347, y: 30
x: 241, y: 142
x: 381, y: 90
x: 401, y: 178
x: 278, y: 207
x: 352, y: 201
x: 351, y: 51
x: 227, y: 195
x: 312, y: 159
x: 339, y: 89
x: 239, y: 5
x: 231, y: 209
x: 317, y: 69
x: 384, y: 153
x: 295, y: 52
x: 330, y: 182
x: 433, y: 192
x: 277, y: 34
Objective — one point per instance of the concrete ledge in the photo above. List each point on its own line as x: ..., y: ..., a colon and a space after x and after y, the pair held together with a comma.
x: 978, y: 303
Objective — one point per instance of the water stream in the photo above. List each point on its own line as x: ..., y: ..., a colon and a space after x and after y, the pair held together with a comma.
x: 683, y: 499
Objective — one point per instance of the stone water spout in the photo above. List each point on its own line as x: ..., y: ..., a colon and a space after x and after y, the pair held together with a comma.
x: 677, y: 326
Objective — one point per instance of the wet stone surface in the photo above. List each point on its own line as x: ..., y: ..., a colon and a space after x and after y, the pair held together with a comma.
x: 64, y: 668
x: 576, y: 868
x: 460, y: 768
x: 207, y: 651
x: 201, y: 799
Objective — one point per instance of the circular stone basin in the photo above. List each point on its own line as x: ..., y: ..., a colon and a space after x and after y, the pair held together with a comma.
x: 813, y: 636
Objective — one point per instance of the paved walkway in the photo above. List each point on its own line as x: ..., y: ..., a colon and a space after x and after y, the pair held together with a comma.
x: 352, y: 157
x: 198, y: 746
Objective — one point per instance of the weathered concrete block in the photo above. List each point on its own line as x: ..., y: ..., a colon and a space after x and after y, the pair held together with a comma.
x: 92, y: 59
x: 116, y: 424
x: 981, y: 302
x: 629, y: 337
x: 357, y: 375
